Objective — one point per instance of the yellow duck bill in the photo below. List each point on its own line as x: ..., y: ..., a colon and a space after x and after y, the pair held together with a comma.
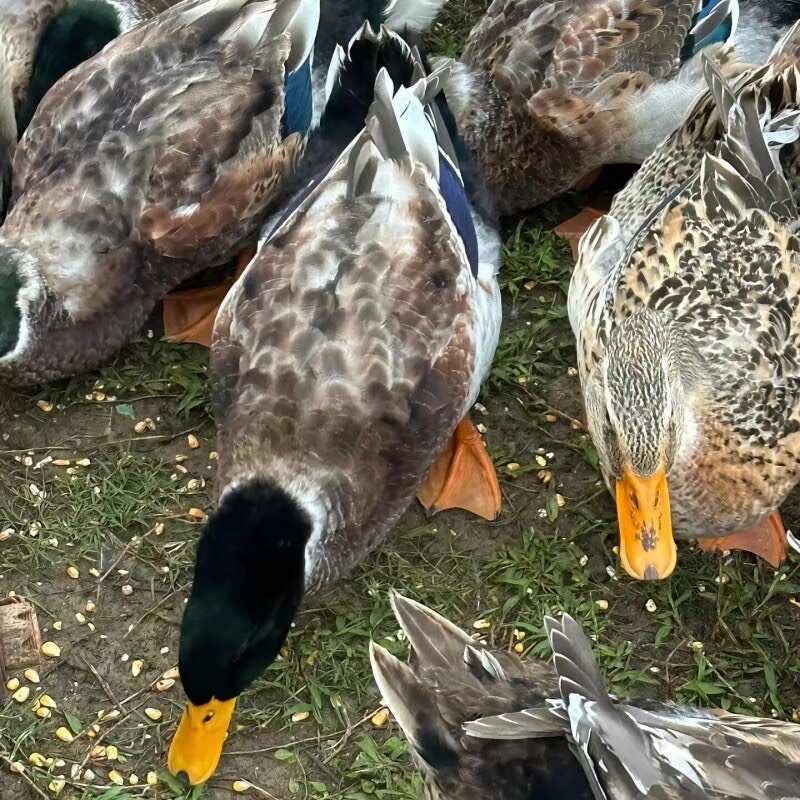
x: 197, y: 745
x: 647, y: 549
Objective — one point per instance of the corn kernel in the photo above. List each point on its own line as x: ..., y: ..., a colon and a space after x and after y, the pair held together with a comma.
x: 64, y: 734
x: 12, y: 684
x: 240, y: 786
x: 381, y: 718
x: 51, y: 649
x: 22, y: 694
x: 153, y: 714
x: 31, y: 675
x: 192, y: 441
x: 116, y: 778
x: 72, y: 572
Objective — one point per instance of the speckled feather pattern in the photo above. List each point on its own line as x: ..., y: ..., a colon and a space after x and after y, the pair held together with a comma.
x: 546, y: 92
x: 152, y: 161
x: 648, y: 749
x: 347, y: 353
x: 719, y: 293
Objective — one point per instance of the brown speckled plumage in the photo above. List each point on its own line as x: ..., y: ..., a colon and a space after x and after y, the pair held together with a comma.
x: 545, y: 92
x: 701, y: 289
x: 157, y: 158
x: 349, y: 350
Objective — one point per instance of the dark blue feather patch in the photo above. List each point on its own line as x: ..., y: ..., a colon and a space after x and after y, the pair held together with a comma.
x: 458, y: 207
x: 299, y: 106
x: 720, y: 34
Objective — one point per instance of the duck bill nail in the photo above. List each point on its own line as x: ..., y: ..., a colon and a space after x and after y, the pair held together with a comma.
x: 647, y: 549
x: 197, y: 745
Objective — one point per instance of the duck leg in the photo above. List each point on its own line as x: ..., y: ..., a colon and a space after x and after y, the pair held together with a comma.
x: 463, y: 477
x: 189, y: 315
x: 767, y: 540
x: 573, y: 228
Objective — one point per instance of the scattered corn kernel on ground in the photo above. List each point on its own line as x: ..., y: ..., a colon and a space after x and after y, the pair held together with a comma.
x: 105, y: 482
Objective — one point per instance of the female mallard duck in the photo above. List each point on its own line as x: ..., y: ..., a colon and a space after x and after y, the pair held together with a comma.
x: 546, y: 92
x: 344, y: 358
x: 572, y: 740
x: 151, y: 161
x: 684, y: 304
x: 42, y: 40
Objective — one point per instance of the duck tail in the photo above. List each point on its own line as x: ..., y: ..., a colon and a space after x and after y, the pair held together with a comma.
x: 746, y: 172
x: 411, y: 16
x: 574, y: 660
x: 414, y: 706
x: 353, y: 69
x: 788, y: 46
x: 436, y: 642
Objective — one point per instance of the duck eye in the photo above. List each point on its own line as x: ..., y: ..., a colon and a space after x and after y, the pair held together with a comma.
x: 208, y: 717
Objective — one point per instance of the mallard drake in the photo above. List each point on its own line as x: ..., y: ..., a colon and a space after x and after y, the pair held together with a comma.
x: 343, y: 359
x: 42, y: 40
x: 684, y: 307
x: 156, y: 158
x: 547, y: 92
x: 484, y: 723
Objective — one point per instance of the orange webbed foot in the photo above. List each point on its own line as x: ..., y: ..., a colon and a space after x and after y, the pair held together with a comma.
x: 767, y: 540
x: 189, y: 315
x: 463, y: 477
x: 573, y: 228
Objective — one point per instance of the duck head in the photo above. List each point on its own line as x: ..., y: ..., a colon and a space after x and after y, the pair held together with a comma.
x: 248, y: 583
x: 637, y: 416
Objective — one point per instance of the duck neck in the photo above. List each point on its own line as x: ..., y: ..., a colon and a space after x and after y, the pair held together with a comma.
x: 72, y: 37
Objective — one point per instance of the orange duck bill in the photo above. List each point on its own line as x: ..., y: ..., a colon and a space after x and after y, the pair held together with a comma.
x: 197, y: 745
x: 647, y: 549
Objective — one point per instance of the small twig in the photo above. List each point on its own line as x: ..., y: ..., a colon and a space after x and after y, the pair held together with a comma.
x: 104, y: 684
x: 105, y: 734
x: 308, y: 740
x: 25, y: 777
x: 152, y: 609
x: 134, y: 541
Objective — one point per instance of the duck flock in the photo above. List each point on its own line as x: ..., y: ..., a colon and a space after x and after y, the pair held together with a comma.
x: 356, y: 181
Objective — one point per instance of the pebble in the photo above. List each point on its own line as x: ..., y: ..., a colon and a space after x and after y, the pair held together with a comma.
x: 651, y: 606
x: 127, y: 590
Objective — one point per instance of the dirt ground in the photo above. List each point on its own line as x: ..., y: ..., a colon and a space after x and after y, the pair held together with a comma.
x: 124, y: 512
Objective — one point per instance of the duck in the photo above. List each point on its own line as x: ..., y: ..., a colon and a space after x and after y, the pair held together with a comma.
x: 345, y: 360
x: 683, y: 304
x: 42, y: 40
x: 484, y: 723
x: 157, y: 158
x: 546, y: 93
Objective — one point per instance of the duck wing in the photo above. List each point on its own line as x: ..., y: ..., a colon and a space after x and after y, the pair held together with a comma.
x: 455, y: 679
x: 177, y: 123
x: 357, y: 337
x: 661, y: 751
